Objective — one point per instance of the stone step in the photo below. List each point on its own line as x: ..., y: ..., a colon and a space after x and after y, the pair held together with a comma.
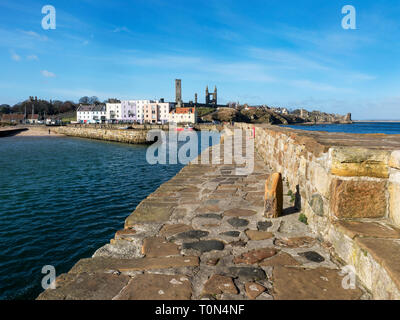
x: 106, y: 265
x: 372, y: 247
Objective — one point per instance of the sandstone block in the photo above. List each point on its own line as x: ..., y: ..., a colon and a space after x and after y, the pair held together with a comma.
x: 255, y: 256
x: 356, y: 162
x: 259, y: 235
x: 297, y: 242
x: 159, y: 247
x: 394, y: 197
x: 310, y: 284
x: 169, y: 230
x: 253, y: 289
x: 237, y: 212
x: 273, y: 198
x: 218, y: 284
x: 394, y: 160
x: 358, y: 199
x: 281, y: 259
x: 86, y: 286
x: 157, y: 287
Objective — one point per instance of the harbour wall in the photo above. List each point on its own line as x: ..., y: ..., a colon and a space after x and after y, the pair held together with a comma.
x: 138, y: 136
x: 348, y: 187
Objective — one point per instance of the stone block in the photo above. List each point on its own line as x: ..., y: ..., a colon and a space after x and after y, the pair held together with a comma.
x: 367, y: 229
x: 357, y: 162
x: 273, y: 198
x: 159, y: 247
x: 218, y: 284
x: 310, y: 284
x: 157, y: 287
x: 394, y: 197
x: 255, y: 256
x: 358, y: 199
x: 84, y: 286
x: 317, y: 204
x: 394, y: 160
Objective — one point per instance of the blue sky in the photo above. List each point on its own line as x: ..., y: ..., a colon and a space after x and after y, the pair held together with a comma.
x: 278, y: 52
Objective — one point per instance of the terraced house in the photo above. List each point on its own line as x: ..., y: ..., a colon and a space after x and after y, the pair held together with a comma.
x: 91, y: 113
x: 183, y: 115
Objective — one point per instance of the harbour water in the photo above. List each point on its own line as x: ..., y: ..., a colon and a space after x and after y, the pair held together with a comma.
x: 356, y: 127
x: 63, y: 198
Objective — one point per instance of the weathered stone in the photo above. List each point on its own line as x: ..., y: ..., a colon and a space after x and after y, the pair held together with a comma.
x: 210, y: 216
x: 368, y: 229
x: 394, y: 160
x: 312, y: 256
x: 124, y: 234
x: 273, y: 198
x: 86, y: 286
x: 255, y: 256
x: 386, y: 253
x: 239, y: 243
x: 94, y: 265
x: 310, y: 284
x: 233, y: 234
x: 237, y: 212
x: 253, y: 289
x: 297, y: 242
x: 157, y: 287
x: 248, y: 273
x: 358, y: 199
x: 259, y: 235
x: 149, y: 212
x: 281, y: 259
x: 237, y: 222
x: 356, y: 162
x: 205, y: 245
x: 317, y: 204
x: 212, y: 261
x: 193, y: 234
x: 159, y: 247
x: 208, y: 209
x: 394, y: 197
x: 264, y: 225
x: 218, y: 284
x: 169, y: 230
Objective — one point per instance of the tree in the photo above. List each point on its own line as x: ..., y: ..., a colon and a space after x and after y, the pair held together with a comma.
x: 84, y: 100
x: 94, y: 100
x: 5, y: 108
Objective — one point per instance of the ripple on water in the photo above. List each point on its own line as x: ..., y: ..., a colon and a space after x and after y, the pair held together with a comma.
x: 63, y: 198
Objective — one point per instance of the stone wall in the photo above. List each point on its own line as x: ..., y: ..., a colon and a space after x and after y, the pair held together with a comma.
x: 126, y: 136
x: 338, y: 177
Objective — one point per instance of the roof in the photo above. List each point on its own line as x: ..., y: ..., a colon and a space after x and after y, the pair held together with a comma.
x: 13, y: 116
x: 184, y: 110
x: 91, y: 107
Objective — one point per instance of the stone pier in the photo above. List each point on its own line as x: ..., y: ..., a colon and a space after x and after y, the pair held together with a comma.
x: 203, y: 235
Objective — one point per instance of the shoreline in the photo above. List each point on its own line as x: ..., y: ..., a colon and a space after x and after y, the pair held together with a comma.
x: 32, y: 131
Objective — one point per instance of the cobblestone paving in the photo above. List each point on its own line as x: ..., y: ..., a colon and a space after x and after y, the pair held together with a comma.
x: 202, y: 235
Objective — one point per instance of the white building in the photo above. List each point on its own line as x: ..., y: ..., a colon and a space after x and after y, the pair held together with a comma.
x: 183, y: 115
x: 114, y: 111
x: 164, y: 108
x: 91, y: 113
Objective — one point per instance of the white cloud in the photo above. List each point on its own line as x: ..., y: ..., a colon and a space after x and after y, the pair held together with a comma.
x: 15, y: 57
x: 121, y: 29
x: 47, y: 74
x: 34, y: 34
x: 32, y: 57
